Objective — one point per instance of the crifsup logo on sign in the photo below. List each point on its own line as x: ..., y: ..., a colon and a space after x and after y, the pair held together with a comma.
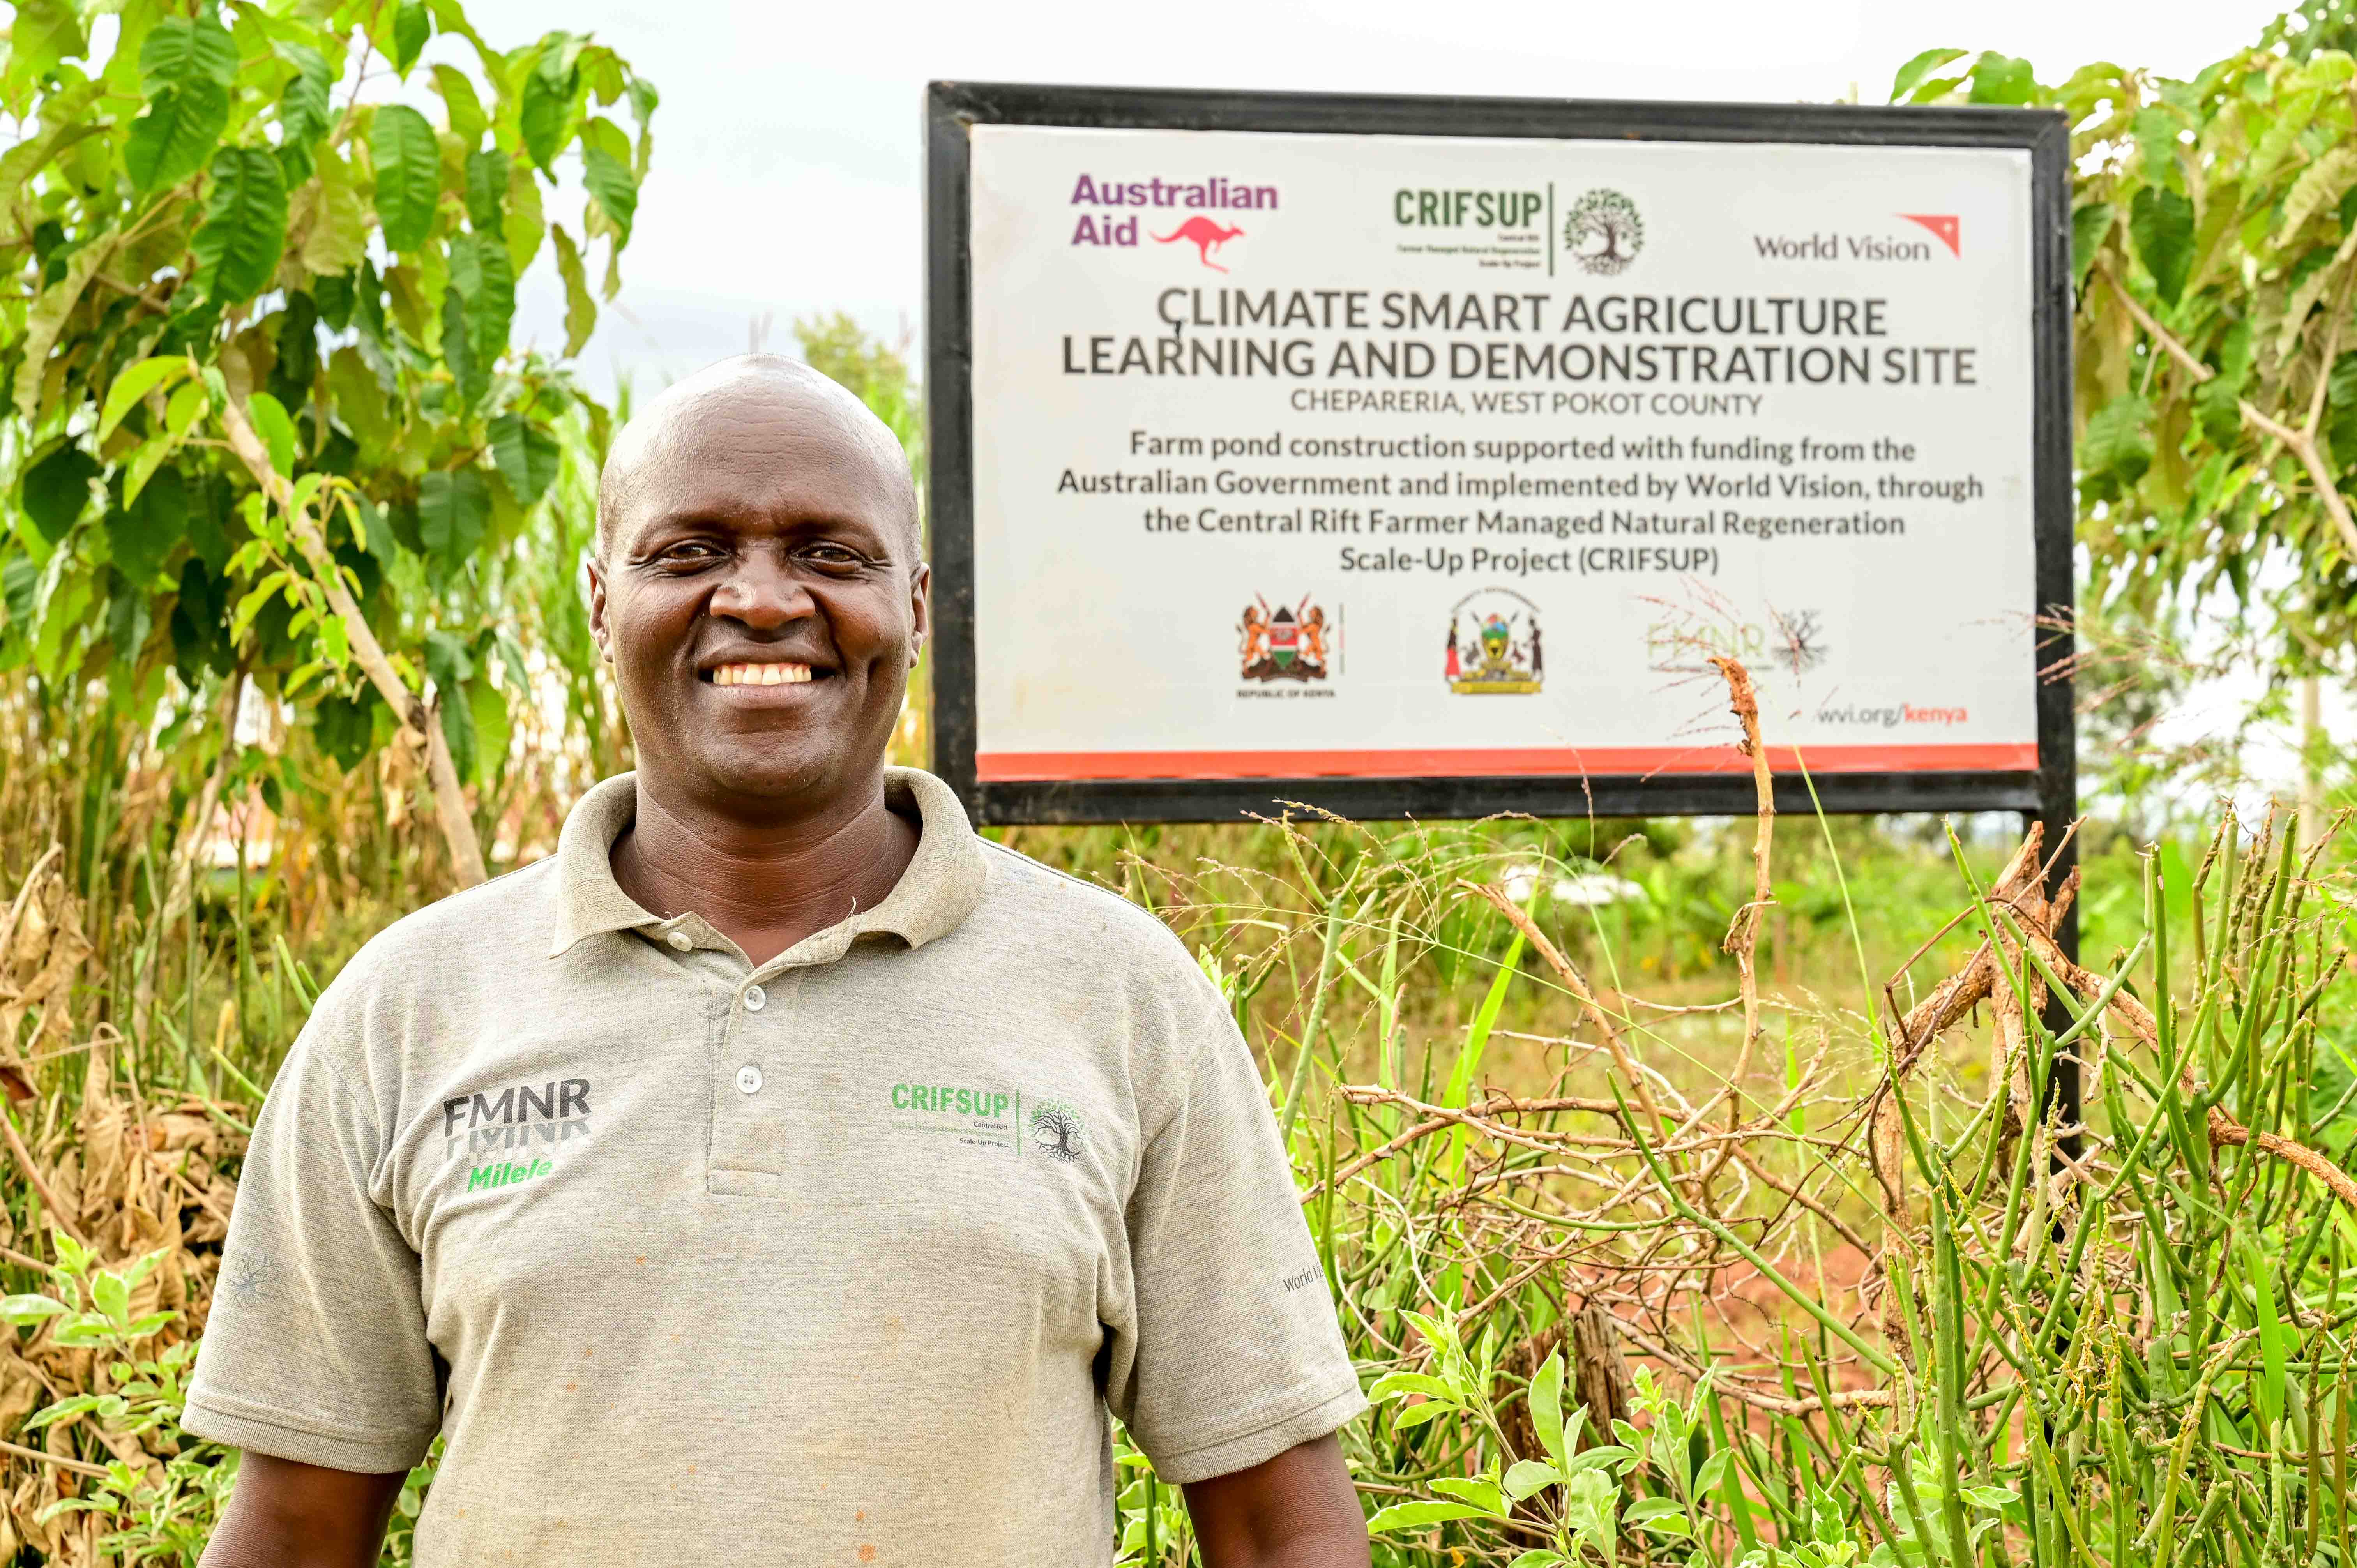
x: 1182, y: 213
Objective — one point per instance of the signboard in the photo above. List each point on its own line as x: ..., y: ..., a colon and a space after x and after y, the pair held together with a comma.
x: 1411, y: 457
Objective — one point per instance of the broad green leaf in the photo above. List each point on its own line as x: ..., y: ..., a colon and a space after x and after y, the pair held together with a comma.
x: 174, y: 135
x: 580, y: 310
x: 488, y: 710
x: 411, y: 28
x: 461, y: 105
x: 1916, y: 69
x: 481, y: 272
x: 135, y: 383
x: 179, y: 51
x: 1407, y: 1418
x: 609, y: 182
x: 41, y: 34
x: 1528, y: 1477
x: 376, y: 533
x: 2160, y: 221
x: 2090, y: 226
x: 1998, y: 1498
x: 452, y: 509
x: 1606, y: 1456
x: 408, y: 175
x: 276, y: 430
x: 524, y: 225
x: 244, y: 230
x: 1539, y: 1557
x: 335, y: 238
x: 643, y: 100
x: 253, y: 602
x: 20, y: 1310
x: 487, y: 190
x: 2320, y: 185
x: 2310, y: 279
x: 1546, y: 1406
x: 67, y: 120
x: 458, y: 728
x: 305, y: 113
x: 1482, y: 1494
x: 2000, y: 79
x: 55, y: 492
x: 546, y: 115
x: 1392, y: 1383
x: 155, y: 519
x: 47, y: 319
x: 459, y: 349
x: 1417, y: 1516
x: 527, y: 457
x: 112, y: 1295
x: 360, y: 402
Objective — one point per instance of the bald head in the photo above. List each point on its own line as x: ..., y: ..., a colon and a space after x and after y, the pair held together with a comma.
x: 745, y: 410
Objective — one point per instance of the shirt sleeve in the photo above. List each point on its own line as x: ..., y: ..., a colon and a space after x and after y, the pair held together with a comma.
x: 1235, y: 1355
x: 314, y: 1350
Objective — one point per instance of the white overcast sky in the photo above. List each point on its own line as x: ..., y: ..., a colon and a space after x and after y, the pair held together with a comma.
x: 789, y: 172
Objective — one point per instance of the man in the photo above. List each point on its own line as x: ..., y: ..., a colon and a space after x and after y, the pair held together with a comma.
x: 779, y: 1173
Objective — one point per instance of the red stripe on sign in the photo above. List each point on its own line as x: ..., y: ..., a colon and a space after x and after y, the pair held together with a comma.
x: 1010, y: 766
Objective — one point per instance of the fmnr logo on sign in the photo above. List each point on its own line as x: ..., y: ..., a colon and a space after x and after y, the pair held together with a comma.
x: 1189, y: 203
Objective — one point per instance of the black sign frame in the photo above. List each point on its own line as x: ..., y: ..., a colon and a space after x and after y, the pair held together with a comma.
x: 2049, y: 793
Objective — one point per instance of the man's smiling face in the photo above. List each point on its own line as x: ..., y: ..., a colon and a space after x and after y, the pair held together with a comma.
x: 757, y: 589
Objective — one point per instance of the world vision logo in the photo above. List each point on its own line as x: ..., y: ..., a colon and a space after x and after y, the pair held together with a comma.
x: 1903, y: 245
x: 1945, y: 225
x: 1118, y: 212
x: 507, y: 1131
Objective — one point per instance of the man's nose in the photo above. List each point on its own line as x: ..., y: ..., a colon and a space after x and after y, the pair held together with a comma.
x: 761, y: 593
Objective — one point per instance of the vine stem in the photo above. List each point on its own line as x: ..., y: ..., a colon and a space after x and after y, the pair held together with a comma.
x: 2300, y: 443
x: 449, y: 801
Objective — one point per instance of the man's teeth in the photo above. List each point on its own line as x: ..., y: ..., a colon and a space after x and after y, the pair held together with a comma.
x: 760, y: 674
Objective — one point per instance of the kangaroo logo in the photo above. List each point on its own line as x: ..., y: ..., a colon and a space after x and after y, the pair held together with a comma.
x: 1204, y: 235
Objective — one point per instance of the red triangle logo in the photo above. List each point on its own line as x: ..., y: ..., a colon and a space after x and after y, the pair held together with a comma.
x: 1943, y: 224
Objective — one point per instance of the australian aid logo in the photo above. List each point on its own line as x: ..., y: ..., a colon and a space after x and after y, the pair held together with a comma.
x: 1197, y: 215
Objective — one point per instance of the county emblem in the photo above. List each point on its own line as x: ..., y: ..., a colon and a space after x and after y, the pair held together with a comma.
x: 1285, y: 644
x: 1494, y: 645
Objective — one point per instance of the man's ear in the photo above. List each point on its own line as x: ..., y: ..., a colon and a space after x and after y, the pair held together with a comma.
x: 920, y: 611
x: 597, y: 605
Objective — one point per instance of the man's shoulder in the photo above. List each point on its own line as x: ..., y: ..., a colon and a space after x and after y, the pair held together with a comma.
x: 1065, y: 914
x: 500, y: 922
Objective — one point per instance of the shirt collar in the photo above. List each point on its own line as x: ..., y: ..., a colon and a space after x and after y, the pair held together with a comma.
x: 940, y: 888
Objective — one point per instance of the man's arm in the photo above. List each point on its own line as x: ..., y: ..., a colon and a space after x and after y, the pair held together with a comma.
x: 1297, y: 1510
x: 283, y: 1514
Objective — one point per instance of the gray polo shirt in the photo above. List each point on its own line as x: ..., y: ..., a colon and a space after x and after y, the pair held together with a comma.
x: 838, y: 1260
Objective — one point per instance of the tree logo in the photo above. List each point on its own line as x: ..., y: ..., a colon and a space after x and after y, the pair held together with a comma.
x: 1057, y: 1130
x: 1603, y: 232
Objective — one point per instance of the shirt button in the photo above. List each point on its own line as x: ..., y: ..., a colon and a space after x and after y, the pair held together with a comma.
x: 756, y: 999
x: 749, y: 1078
x: 681, y: 940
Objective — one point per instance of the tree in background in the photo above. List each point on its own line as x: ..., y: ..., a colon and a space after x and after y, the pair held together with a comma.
x: 265, y: 422
x: 2214, y: 250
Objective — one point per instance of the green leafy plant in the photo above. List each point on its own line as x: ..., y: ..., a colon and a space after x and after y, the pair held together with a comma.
x: 266, y: 424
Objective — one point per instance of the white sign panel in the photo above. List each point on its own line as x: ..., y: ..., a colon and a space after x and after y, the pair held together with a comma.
x: 1305, y: 455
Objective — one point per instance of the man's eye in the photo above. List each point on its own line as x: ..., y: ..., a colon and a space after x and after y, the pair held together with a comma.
x: 689, y: 554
